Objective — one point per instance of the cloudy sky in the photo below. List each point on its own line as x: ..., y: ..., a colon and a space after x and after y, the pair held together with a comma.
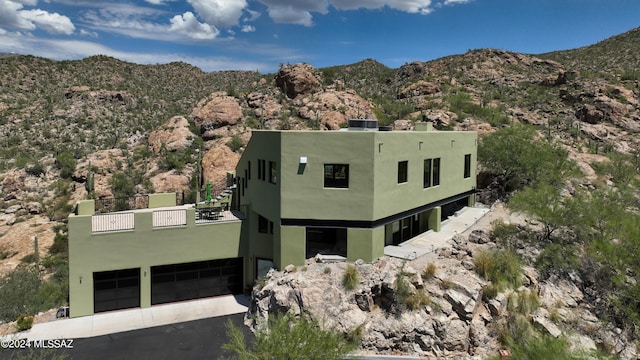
x: 261, y: 34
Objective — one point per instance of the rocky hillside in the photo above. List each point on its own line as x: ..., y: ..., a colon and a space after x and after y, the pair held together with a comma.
x: 103, y: 128
x: 435, y: 306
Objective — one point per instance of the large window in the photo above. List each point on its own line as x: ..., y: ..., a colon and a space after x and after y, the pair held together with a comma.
x: 336, y: 175
x: 403, y: 174
x: 264, y: 225
x: 273, y: 173
x: 431, y: 175
x: 467, y: 166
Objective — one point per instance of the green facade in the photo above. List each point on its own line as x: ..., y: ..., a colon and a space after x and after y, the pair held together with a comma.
x: 373, y: 203
x: 142, y: 247
x: 287, y: 207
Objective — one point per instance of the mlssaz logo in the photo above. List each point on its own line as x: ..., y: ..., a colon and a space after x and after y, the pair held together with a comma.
x: 54, y: 344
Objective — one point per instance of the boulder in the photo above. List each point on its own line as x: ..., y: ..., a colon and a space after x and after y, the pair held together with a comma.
x: 590, y: 114
x: 298, y: 79
x: 216, y: 111
x: 174, y: 135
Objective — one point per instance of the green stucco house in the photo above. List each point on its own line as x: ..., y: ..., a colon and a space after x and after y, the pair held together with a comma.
x: 295, y: 194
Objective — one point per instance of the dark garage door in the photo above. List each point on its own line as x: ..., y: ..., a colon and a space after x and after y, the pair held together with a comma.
x: 195, y: 280
x: 118, y: 289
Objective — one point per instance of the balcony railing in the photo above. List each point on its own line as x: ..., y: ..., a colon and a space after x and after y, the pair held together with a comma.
x: 166, y: 218
x: 163, y: 218
x: 112, y: 222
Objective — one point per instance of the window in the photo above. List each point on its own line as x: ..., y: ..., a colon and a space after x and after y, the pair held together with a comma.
x: 264, y: 225
x: 431, y: 175
x: 436, y: 172
x: 467, y: 166
x: 260, y: 169
x: 336, y: 175
x: 273, y: 174
x: 248, y: 170
x: 427, y: 173
x: 246, y: 176
x: 403, y: 171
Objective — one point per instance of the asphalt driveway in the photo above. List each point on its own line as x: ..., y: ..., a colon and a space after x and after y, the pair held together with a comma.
x: 199, y: 339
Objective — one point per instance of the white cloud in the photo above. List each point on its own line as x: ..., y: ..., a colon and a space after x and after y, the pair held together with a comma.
x: 73, y: 49
x: 53, y: 23
x: 248, y: 28
x: 300, y: 11
x: 295, y: 12
x: 188, y: 25
x: 410, y: 6
x: 219, y: 13
x: 453, y: 2
x: 253, y: 15
x: 12, y: 16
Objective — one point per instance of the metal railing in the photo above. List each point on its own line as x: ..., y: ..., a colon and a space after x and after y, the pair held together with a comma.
x: 167, y: 218
x: 106, y: 205
x: 112, y: 222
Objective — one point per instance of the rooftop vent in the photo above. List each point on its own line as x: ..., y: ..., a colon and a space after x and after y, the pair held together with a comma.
x: 363, y: 125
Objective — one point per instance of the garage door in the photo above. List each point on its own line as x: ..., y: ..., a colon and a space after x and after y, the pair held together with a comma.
x: 195, y: 280
x: 118, y: 289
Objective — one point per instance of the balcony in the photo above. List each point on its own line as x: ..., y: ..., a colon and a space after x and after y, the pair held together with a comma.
x: 157, y: 216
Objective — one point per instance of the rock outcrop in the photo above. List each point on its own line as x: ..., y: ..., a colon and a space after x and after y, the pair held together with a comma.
x: 174, y: 135
x: 456, y: 321
x: 298, y: 79
x: 215, y: 112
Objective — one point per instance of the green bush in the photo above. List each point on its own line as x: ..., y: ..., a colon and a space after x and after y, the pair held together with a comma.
x: 17, y: 291
x: 288, y: 337
x: 66, y: 163
x: 36, y: 169
x: 502, y: 267
x: 24, y: 322
x: 350, y: 278
x: 235, y: 143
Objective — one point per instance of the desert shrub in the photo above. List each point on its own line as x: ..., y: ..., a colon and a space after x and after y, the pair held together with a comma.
x: 429, y: 271
x: 523, y: 303
x: 36, y: 169
x: 17, y: 291
x: 66, y: 163
x: 235, y: 143
x: 542, y: 348
x: 288, y: 337
x: 24, y: 322
x: 350, y: 278
x: 557, y: 259
x: 502, y: 267
x: 520, y: 158
x: 327, y: 270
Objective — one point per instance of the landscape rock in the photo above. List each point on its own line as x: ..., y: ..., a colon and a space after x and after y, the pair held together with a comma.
x: 174, y: 135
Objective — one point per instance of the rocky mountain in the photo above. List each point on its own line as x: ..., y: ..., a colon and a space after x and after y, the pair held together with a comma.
x: 103, y: 128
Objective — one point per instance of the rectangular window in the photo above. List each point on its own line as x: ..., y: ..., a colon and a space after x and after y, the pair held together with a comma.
x: 436, y: 172
x: 427, y: 173
x: 262, y: 169
x: 336, y: 175
x: 467, y: 166
x: 264, y: 225
x: 273, y: 174
x: 431, y: 176
x: 246, y: 176
x: 248, y: 170
x: 403, y: 174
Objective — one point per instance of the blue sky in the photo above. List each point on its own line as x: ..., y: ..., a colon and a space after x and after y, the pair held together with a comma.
x: 261, y: 34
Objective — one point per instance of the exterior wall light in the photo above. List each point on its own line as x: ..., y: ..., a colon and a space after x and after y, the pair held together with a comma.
x: 303, y: 159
